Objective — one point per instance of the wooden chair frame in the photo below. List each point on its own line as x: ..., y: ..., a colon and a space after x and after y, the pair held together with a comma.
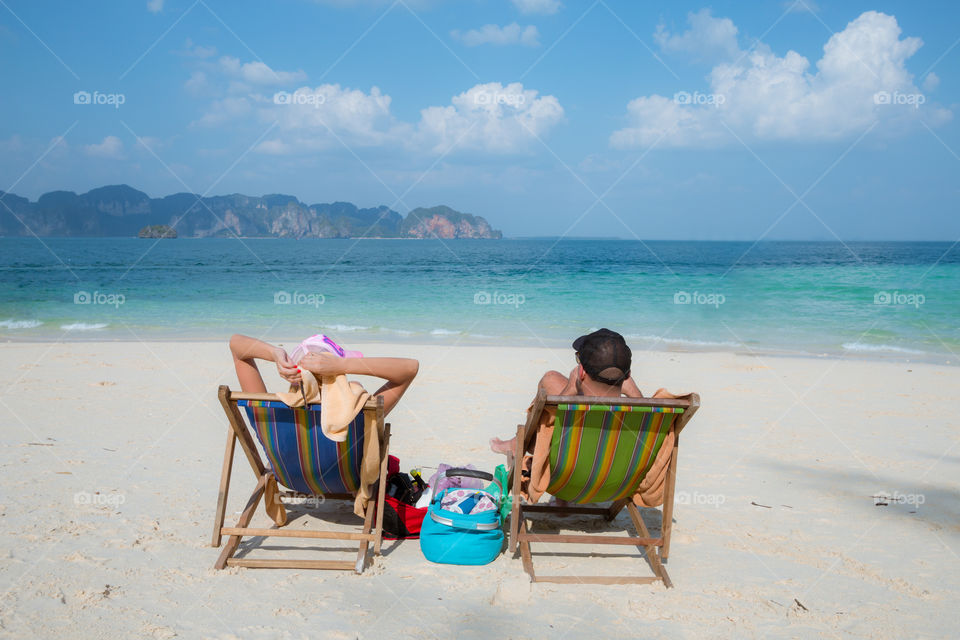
x: 238, y: 432
x: 657, y: 549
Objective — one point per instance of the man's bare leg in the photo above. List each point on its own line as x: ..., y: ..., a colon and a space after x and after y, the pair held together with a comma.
x: 554, y: 383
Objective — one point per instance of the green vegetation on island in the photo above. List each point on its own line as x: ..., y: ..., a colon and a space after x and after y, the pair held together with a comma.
x: 158, y: 231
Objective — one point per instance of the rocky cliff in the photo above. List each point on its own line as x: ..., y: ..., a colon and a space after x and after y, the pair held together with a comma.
x: 123, y: 211
x: 444, y: 222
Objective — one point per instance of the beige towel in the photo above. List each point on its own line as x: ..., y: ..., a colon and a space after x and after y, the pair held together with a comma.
x: 342, y: 401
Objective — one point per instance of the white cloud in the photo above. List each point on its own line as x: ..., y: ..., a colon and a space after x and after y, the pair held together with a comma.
x: 314, y: 118
x: 154, y: 6
x: 931, y: 82
x: 494, y: 34
x: 15, y: 143
x: 150, y: 143
x: 861, y: 79
x: 708, y: 38
x: 541, y: 7
x: 197, y: 82
x: 258, y: 73
x: 197, y: 51
x: 110, y: 147
x: 657, y: 120
x: 58, y: 147
x: 55, y: 148
x: 597, y: 163
x: 225, y: 110
x: 490, y: 117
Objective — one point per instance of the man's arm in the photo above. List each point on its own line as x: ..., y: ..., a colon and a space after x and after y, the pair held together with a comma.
x: 630, y: 389
x: 663, y: 393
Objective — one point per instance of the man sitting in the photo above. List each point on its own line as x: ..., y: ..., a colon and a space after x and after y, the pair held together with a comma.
x: 603, y: 369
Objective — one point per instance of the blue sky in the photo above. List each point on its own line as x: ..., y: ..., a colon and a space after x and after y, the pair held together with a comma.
x: 728, y: 120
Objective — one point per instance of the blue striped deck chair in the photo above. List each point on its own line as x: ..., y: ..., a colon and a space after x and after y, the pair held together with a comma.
x: 600, y: 451
x: 305, y: 464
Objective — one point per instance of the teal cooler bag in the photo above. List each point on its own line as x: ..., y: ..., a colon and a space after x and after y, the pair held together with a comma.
x: 451, y: 537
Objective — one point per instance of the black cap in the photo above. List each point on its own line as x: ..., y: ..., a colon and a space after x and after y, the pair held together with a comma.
x: 604, y: 355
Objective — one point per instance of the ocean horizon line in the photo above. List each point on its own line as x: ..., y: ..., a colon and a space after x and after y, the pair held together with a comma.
x: 765, y: 241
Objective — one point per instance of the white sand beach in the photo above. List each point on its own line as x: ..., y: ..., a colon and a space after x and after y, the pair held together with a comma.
x: 111, y: 456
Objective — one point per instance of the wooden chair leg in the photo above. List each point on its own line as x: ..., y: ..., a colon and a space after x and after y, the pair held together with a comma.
x: 667, y: 525
x: 643, y: 537
x: 525, y: 553
x: 362, y: 551
x: 241, y: 431
x: 224, y: 487
x: 651, y: 550
x: 382, y: 488
x: 515, y: 511
x: 615, y: 508
x: 231, y: 547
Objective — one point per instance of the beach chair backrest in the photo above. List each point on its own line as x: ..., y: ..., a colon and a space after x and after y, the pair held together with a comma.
x: 301, y: 457
x: 602, y: 452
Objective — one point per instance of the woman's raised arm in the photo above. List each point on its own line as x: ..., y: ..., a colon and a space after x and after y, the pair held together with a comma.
x: 398, y: 372
x: 247, y: 350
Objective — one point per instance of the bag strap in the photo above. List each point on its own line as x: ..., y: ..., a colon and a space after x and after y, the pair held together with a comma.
x: 463, y: 523
x: 480, y: 475
x: 469, y: 473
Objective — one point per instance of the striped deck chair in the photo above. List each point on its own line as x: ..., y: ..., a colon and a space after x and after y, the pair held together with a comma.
x: 601, y: 450
x: 305, y: 462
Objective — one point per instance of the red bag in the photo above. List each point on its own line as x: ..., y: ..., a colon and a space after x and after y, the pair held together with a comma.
x: 400, y: 520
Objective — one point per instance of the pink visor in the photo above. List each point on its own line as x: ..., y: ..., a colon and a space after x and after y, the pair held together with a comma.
x: 321, y: 344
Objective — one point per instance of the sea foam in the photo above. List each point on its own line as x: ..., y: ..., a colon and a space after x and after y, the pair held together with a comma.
x: 872, y: 348
x: 345, y: 327
x: 20, y: 324
x: 83, y: 326
x: 683, y: 341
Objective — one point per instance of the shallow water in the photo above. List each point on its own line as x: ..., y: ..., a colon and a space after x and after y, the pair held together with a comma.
x: 877, y: 298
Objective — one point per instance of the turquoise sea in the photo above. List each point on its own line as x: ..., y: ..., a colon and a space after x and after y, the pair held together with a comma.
x: 882, y: 299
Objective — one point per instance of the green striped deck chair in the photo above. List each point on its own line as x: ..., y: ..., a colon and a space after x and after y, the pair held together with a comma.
x: 305, y: 464
x: 601, y: 450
